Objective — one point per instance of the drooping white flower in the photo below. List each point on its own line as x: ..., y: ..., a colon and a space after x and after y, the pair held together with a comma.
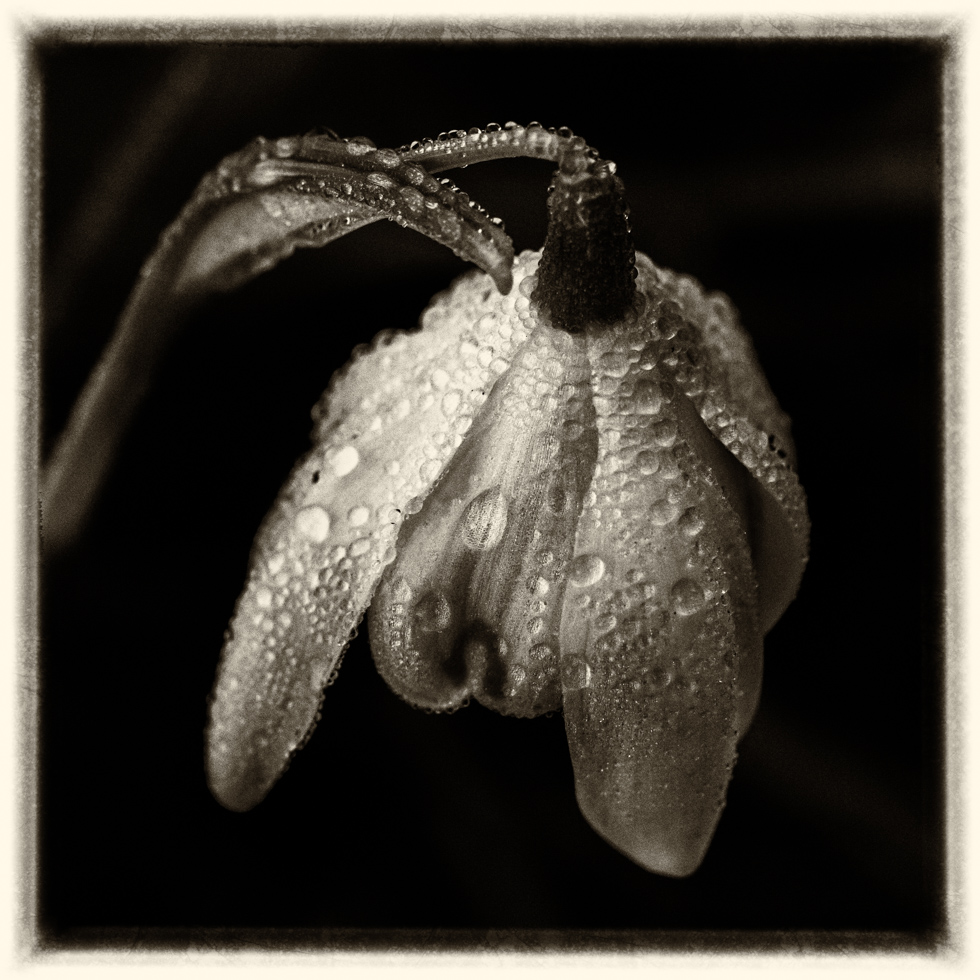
x: 577, y: 495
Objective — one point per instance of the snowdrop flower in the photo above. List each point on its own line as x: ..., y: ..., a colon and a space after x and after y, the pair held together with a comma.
x: 578, y: 495
x: 572, y: 489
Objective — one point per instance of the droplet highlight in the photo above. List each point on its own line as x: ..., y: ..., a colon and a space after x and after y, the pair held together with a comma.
x: 485, y: 520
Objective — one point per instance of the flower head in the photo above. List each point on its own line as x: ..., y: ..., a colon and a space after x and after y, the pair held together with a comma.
x: 577, y: 494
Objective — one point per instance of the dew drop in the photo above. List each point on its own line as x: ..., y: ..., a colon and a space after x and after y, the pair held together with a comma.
x: 647, y: 397
x: 575, y: 674
x: 263, y: 598
x: 432, y: 612
x: 665, y: 432
x: 413, y: 198
x: 691, y: 522
x: 662, y: 512
x: 648, y: 462
x: 541, y: 651
x: 313, y: 523
x: 360, y: 547
x: 615, y: 364
x: 439, y: 378
x: 657, y: 679
x: 429, y: 470
x: 484, y: 520
x: 687, y: 596
x: 345, y: 461
x: 450, y: 401
x: 605, y: 623
x: 586, y: 570
x: 357, y: 516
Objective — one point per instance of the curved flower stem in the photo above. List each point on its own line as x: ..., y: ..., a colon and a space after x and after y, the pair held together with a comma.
x: 254, y: 210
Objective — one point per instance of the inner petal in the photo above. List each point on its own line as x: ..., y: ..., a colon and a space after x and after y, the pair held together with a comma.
x: 489, y: 548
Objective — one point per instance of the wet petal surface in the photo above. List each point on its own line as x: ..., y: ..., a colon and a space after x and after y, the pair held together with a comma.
x: 319, y: 554
x: 471, y: 605
x: 661, y: 650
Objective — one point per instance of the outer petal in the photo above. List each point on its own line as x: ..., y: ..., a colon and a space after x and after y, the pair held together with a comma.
x: 471, y: 605
x: 659, y: 632
x: 711, y: 359
x: 384, y: 431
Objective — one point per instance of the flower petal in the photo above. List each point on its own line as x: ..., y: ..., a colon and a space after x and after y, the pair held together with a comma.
x: 319, y: 554
x: 471, y: 605
x: 659, y: 634
x: 714, y: 363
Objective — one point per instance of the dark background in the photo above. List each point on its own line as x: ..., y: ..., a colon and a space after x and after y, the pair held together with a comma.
x: 804, y: 178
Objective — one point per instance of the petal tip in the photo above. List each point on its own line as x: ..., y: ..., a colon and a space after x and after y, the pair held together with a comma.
x: 675, y: 851
x: 238, y: 780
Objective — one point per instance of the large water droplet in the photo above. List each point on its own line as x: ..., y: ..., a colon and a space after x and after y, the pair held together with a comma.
x: 647, y: 397
x: 687, y: 596
x: 450, y: 401
x: 615, y: 364
x: 429, y: 470
x: 691, y: 522
x: 313, y: 523
x: 648, y: 462
x: 432, y: 612
x: 484, y: 520
x: 345, y: 460
x: 586, y: 570
x: 665, y: 432
x: 575, y: 674
x: 360, y: 547
x: 357, y: 516
x: 662, y: 512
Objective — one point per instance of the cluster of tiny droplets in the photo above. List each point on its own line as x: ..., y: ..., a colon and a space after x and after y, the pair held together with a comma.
x: 319, y: 553
x: 714, y: 364
x: 533, y: 139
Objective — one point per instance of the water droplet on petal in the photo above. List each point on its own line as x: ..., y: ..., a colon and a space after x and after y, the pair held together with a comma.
x: 313, y: 523
x: 647, y: 397
x: 429, y: 470
x: 440, y: 378
x: 575, y: 674
x: 263, y: 598
x: 691, y: 522
x: 605, y: 623
x: 615, y: 364
x: 360, y: 547
x: 665, y: 432
x: 586, y: 570
x: 358, y: 516
x: 432, y: 612
x: 648, y: 462
x: 345, y: 461
x: 484, y: 520
x: 450, y: 401
x: 657, y: 679
x: 687, y: 596
x: 662, y: 512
